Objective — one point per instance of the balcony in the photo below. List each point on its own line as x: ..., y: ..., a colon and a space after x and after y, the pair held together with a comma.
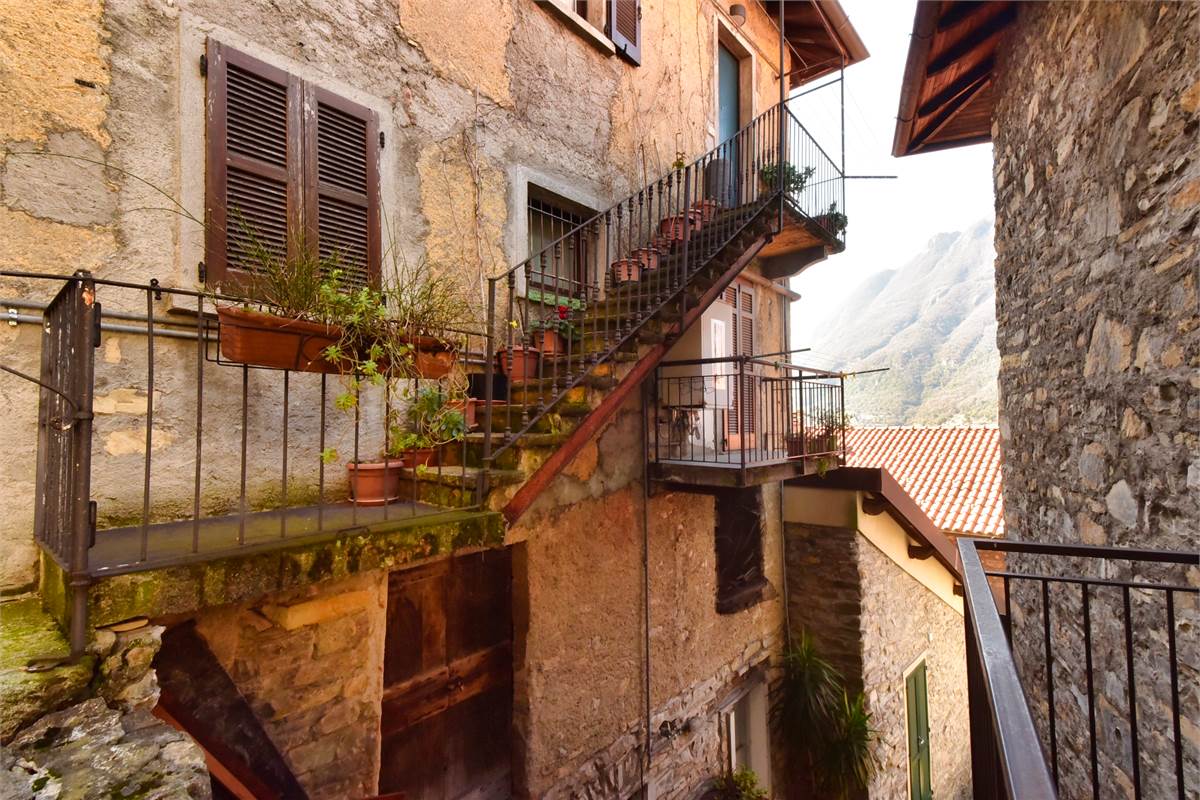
x: 744, y: 421
x: 164, y: 477
x: 1081, y: 671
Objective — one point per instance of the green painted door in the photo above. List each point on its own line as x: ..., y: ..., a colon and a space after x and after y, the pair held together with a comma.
x: 919, y: 784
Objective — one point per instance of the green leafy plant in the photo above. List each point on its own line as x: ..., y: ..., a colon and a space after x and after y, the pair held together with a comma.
x: 834, y: 220
x: 429, y: 421
x: 424, y: 300
x: 794, y: 180
x: 742, y: 784
x: 828, y: 733
x: 558, y: 320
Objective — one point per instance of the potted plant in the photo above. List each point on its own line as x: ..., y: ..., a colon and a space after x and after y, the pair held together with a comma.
x: 671, y: 229
x: 425, y: 303
x: 741, y: 784
x: 648, y: 257
x: 414, y: 437
x: 793, y: 182
x: 305, y: 317
x: 833, y: 220
x: 707, y: 208
x: 518, y: 361
x: 550, y: 334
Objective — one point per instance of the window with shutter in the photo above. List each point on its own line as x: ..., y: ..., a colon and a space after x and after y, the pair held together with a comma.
x: 625, y: 28
x: 739, y: 552
x: 289, y: 166
x: 741, y: 343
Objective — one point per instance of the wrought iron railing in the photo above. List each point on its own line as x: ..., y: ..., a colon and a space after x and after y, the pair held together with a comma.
x: 583, y: 299
x: 1074, y: 670
x: 153, y: 448
x: 747, y: 412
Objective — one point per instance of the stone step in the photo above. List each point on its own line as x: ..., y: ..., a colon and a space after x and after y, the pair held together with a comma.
x: 451, y: 486
x: 526, y: 454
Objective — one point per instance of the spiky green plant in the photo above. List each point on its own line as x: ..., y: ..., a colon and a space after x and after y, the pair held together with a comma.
x: 741, y: 784
x: 846, y: 762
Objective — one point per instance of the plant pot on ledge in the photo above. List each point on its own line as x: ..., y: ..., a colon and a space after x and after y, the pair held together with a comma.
x: 469, y: 408
x: 648, y: 257
x: 519, y: 363
x: 375, y: 483
x: 549, y: 342
x: 627, y: 270
x: 258, y: 339
x: 432, y: 358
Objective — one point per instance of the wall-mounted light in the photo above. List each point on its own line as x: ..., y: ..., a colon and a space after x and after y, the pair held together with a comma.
x: 737, y: 12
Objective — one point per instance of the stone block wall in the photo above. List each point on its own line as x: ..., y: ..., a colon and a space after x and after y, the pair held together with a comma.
x: 310, y: 664
x: 874, y: 621
x: 1097, y: 177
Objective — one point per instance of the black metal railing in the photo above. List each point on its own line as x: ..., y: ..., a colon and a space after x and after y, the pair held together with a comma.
x: 154, y: 448
x: 745, y: 412
x: 564, y: 311
x: 1074, y: 670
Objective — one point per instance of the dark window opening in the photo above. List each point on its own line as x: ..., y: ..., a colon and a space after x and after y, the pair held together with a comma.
x: 739, y: 534
x: 559, y: 250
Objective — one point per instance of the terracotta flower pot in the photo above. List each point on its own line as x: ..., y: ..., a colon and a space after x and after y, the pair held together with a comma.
x: 469, y: 408
x: 374, y: 483
x: 627, y: 270
x: 432, y: 358
x: 549, y: 342
x: 648, y: 257
x: 672, y: 228
x: 519, y: 365
x: 707, y: 209
x: 265, y: 340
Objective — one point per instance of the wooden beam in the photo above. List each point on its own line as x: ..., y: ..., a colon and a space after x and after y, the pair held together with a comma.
x: 964, y: 9
x: 956, y: 87
x: 919, y: 552
x: 874, y: 505
x: 971, y: 41
x: 948, y: 113
x: 592, y: 423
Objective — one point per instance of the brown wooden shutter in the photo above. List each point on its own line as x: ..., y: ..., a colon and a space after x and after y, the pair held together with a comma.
x: 625, y: 28
x: 343, y: 184
x: 741, y: 343
x: 254, y: 158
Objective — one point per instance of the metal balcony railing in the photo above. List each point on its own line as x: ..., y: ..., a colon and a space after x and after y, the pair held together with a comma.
x: 1075, y: 673
x: 153, y: 449
x: 582, y: 286
x: 746, y: 412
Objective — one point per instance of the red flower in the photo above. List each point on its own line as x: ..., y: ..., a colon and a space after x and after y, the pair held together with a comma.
x: 562, y: 312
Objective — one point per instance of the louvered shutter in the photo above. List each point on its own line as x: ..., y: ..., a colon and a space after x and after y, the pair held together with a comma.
x: 741, y: 343
x: 253, y: 185
x: 343, y: 185
x: 625, y: 28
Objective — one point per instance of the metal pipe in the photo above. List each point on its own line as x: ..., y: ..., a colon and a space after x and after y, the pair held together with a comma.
x: 86, y: 341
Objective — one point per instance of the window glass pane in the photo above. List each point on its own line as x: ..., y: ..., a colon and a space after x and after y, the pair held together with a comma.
x: 559, y: 254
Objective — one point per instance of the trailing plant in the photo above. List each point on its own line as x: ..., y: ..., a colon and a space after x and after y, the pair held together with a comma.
x: 794, y: 180
x: 425, y: 301
x: 827, y: 732
x: 742, y: 784
x: 428, y: 421
x: 558, y: 320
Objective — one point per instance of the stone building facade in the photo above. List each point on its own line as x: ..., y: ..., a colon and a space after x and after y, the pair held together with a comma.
x: 1097, y: 178
x: 616, y: 635
x: 877, y: 614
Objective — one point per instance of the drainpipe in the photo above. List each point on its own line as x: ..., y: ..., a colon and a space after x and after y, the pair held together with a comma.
x: 782, y: 116
x: 787, y: 621
x: 646, y: 575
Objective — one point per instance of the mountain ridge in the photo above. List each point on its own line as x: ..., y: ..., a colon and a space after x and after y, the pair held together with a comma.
x: 932, y: 323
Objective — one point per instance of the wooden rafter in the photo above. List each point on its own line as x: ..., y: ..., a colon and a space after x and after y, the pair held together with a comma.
x: 964, y: 9
x: 949, y: 112
x: 978, y: 38
x: 959, y: 85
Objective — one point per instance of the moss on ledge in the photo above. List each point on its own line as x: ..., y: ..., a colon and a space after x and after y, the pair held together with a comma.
x: 27, y: 632
x: 183, y: 588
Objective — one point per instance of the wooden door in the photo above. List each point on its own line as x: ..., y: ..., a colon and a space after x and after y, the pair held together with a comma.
x: 916, y: 694
x: 447, y: 698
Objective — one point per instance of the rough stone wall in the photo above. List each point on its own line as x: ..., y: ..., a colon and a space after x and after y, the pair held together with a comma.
x: 1097, y: 189
x: 310, y: 664
x: 903, y: 621
x: 873, y: 621
x: 579, y: 610
x: 825, y: 594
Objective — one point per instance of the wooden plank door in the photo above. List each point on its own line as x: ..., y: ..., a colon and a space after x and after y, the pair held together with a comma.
x: 447, y: 699
x: 917, y: 696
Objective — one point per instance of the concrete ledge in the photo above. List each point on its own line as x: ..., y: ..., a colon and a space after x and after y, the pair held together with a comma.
x: 562, y: 9
x: 241, y: 577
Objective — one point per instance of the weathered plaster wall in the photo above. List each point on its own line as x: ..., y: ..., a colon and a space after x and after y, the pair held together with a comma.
x: 473, y: 99
x: 310, y: 664
x: 1097, y: 189
x: 579, y: 674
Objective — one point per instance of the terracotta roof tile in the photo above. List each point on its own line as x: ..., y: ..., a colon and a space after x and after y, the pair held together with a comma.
x: 953, y: 474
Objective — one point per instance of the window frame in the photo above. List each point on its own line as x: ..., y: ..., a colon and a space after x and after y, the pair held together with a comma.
x: 744, y: 543
x: 585, y: 244
x: 301, y: 175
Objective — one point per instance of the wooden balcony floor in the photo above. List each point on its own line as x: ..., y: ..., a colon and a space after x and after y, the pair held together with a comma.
x: 119, y: 550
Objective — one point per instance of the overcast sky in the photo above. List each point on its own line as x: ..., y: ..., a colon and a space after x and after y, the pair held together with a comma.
x: 890, y: 220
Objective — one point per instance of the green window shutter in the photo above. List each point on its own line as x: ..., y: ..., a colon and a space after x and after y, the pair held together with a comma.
x: 916, y: 696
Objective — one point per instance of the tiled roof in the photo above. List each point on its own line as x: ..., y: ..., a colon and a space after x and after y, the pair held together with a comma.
x: 953, y: 474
